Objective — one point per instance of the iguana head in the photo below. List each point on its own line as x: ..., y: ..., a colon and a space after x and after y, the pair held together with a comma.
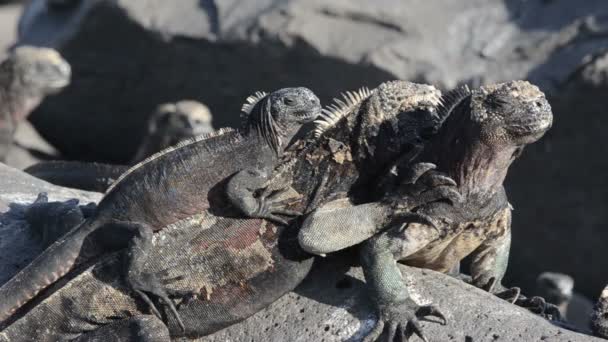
x: 180, y: 120
x: 486, y: 130
x: 514, y: 113
x: 35, y: 71
x: 277, y: 116
x: 556, y: 288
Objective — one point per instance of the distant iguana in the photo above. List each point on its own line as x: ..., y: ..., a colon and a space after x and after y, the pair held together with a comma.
x: 170, y: 124
x: 231, y: 267
x: 599, y: 319
x: 26, y: 77
x: 485, y: 132
x: 171, y: 186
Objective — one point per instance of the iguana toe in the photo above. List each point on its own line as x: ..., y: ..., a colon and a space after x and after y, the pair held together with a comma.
x: 146, y: 283
x: 401, y: 320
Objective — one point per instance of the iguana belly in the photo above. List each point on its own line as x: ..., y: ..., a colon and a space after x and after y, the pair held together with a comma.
x: 443, y: 253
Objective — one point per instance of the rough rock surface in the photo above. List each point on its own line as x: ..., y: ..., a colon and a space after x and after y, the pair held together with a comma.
x: 330, y: 305
x: 17, y: 189
x: 130, y: 55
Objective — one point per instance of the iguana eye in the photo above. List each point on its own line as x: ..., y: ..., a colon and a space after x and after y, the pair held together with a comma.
x: 289, y: 101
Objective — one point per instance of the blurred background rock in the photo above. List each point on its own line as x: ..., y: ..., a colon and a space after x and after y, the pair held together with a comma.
x: 130, y: 55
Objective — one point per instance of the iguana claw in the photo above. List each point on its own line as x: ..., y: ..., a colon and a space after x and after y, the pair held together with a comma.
x: 402, y: 320
x: 510, y: 295
x: 145, y: 283
x: 270, y: 206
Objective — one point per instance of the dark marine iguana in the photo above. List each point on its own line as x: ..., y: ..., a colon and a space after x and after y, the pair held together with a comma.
x: 359, y: 140
x: 26, y: 77
x: 170, y: 124
x: 485, y: 132
x: 171, y: 186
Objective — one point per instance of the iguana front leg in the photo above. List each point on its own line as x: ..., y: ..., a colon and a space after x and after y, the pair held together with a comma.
x: 242, y: 189
x: 396, y: 310
x: 489, y: 265
x: 490, y: 259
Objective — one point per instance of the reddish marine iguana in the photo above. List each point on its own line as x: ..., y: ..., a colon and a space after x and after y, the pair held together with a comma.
x: 485, y: 132
x: 171, y: 186
x: 26, y: 77
x: 231, y: 266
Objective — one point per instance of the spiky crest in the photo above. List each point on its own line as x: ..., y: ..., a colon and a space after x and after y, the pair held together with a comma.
x: 169, y: 149
x: 340, y: 108
x: 451, y: 100
x: 249, y: 104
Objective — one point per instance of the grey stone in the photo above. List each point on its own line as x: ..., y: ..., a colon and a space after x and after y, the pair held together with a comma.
x: 17, y: 189
x: 331, y: 305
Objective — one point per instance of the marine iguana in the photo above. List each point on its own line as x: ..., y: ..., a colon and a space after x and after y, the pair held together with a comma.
x: 26, y: 77
x: 205, y: 253
x: 485, y: 132
x: 168, y: 187
x: 599, y: 319
x: 170, y: 124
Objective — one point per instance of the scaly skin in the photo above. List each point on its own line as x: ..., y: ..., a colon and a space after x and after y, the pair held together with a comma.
x: 483, y: 135
x: 168, y: 187
x: 257, y: 269
x: 26, y: 77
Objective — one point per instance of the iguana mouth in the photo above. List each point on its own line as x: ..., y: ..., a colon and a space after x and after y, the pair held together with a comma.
x: 306, y: 116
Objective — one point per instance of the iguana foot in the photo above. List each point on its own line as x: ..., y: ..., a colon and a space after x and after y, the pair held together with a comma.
x: 539, y: 306
x: 270, y: 206
x: 402, y: 320
x: 511, y: 295
x: 146, y: 283
x: 51, y: 220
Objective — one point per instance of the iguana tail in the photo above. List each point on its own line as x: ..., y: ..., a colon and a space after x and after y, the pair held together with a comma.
x: 52, y: 264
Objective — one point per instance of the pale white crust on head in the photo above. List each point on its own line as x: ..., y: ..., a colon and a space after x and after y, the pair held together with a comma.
x: 340, y: 108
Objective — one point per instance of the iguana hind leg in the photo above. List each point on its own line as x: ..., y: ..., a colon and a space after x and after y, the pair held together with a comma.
x: 144, y: 328
x: 143, y: 283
